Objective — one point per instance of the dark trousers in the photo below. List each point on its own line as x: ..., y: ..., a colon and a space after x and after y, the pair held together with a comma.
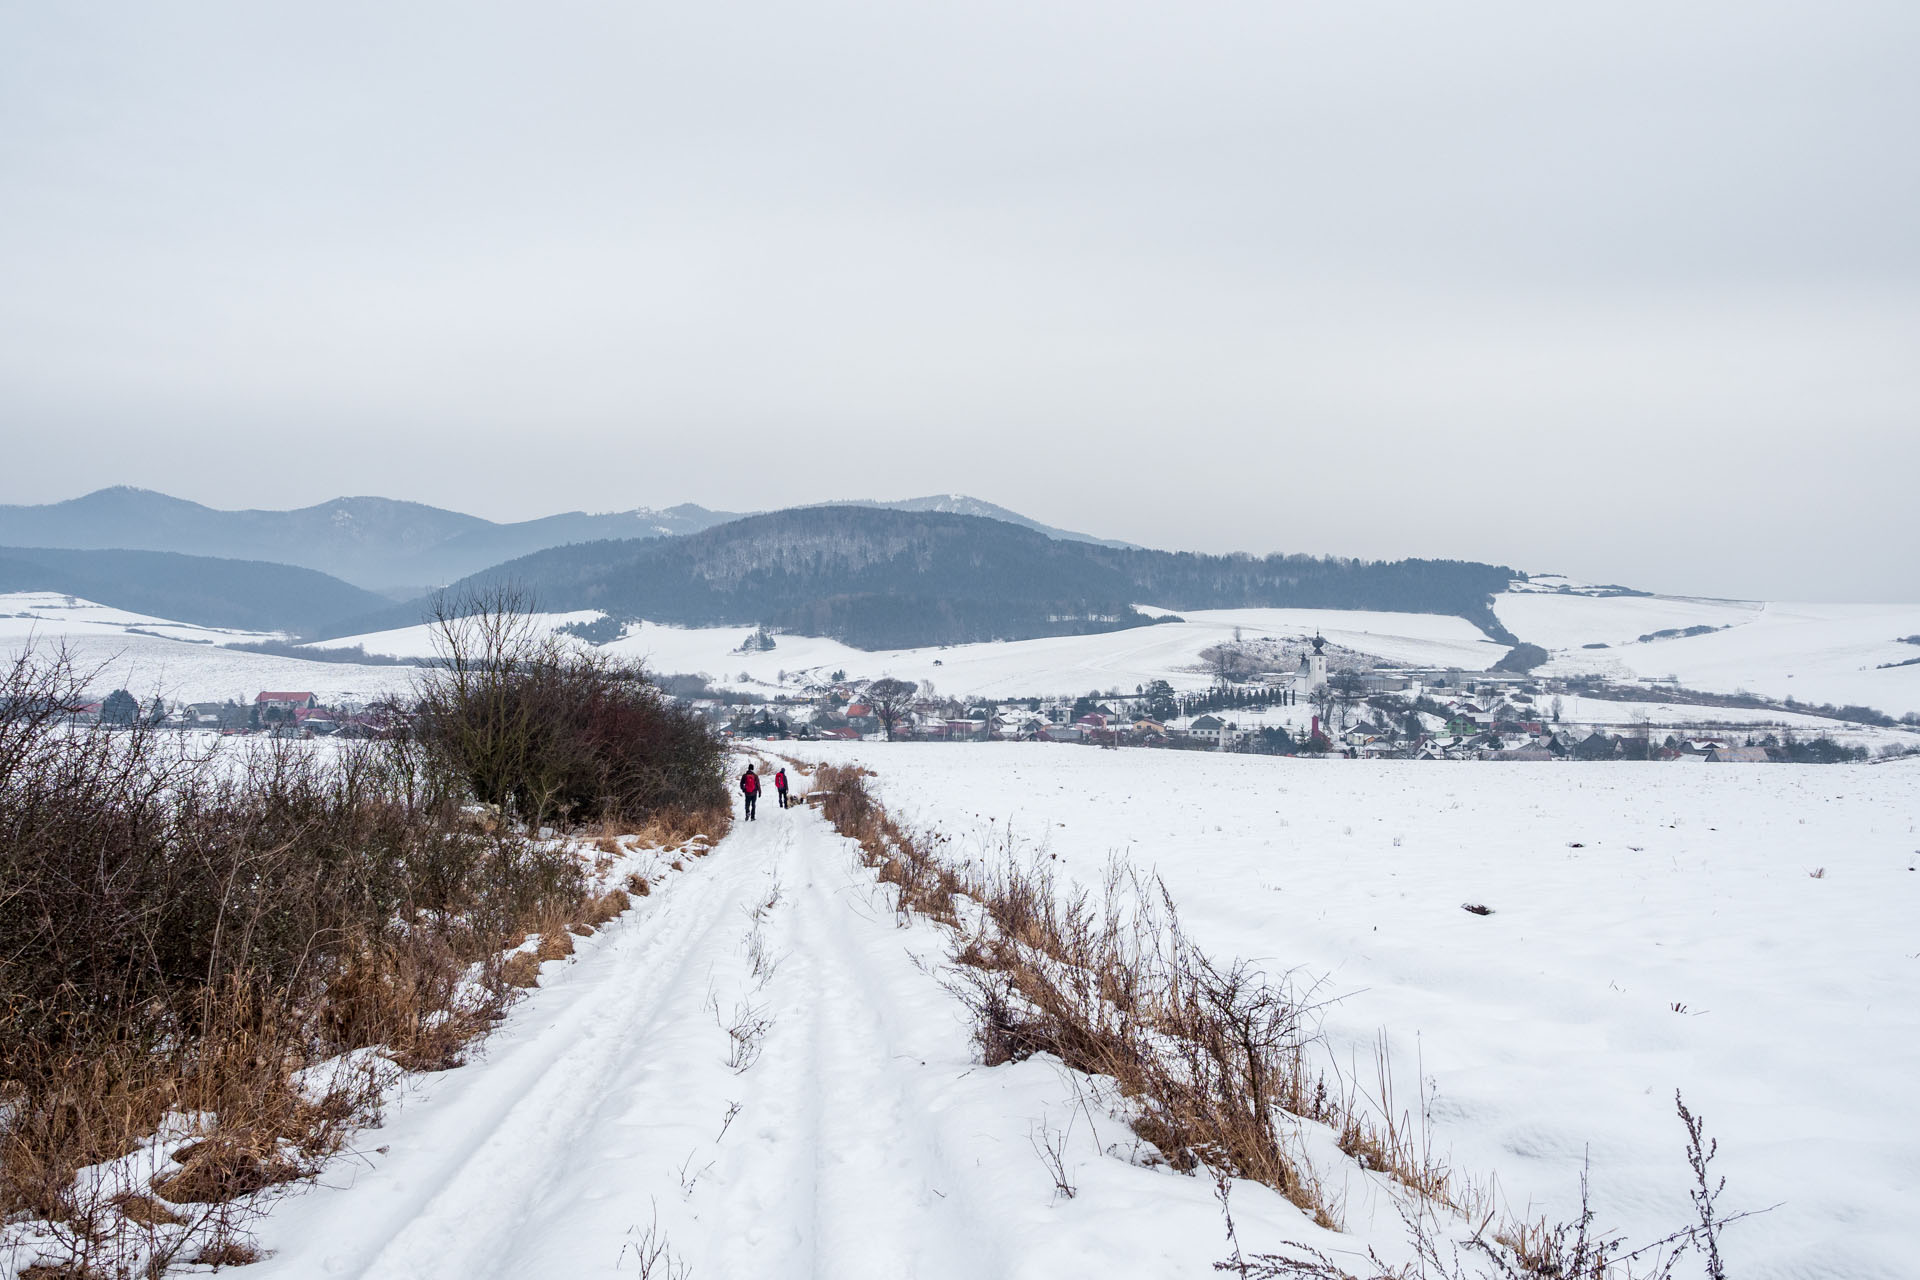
x: 751, y: 797
x: 783, y: 797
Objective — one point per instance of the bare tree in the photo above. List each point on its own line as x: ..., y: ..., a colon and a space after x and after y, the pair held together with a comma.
x: 1323, y: 699
x: 890, y: 700
x: 1348, y: 689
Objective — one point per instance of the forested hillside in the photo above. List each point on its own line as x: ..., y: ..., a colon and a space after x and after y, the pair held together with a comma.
x: 891, y: 579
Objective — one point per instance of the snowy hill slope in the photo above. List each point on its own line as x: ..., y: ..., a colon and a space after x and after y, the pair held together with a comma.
x: 1813, y: 652
x: 179, y: 661
x: 1022, y: 668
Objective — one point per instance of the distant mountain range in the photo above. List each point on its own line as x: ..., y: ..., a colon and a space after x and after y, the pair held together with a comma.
x: 934, y: 570
x: 878, y: 578
x: 396, y: 548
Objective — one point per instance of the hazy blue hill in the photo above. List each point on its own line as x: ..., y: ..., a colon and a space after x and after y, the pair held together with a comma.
x: 478, y: 549
x: 249, y: 594
x: 359, y: 539
x: 377, y: 543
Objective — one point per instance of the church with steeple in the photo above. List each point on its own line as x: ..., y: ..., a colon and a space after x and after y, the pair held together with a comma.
x: 1313, y: 668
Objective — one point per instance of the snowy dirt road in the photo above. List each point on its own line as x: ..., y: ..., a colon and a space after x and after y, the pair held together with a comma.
x: 756, y: 1072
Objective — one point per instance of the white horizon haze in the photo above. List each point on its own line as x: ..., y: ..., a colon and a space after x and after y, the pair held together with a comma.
x: 1629, y: 292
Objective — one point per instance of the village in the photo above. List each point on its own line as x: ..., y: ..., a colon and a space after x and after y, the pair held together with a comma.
x: 1266, y: 697
x: 279, y: 713
x: 1333, y: 706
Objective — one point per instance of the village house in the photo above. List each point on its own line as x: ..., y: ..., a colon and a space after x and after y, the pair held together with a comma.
x: 1213, y: 730
x: 281, y: 706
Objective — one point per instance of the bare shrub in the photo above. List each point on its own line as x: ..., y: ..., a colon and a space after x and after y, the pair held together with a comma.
x: 551, y: 732
x: 185, y: 933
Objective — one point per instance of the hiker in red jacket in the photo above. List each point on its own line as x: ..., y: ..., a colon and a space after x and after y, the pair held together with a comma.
x: 750, y: 788
x: 780, y: 786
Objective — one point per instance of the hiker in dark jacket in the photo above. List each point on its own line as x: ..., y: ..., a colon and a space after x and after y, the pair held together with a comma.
x: 780, y: 786
x: 750, y: 788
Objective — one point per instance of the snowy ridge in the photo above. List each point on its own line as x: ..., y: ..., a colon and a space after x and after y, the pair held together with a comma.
x: 1813, y: 652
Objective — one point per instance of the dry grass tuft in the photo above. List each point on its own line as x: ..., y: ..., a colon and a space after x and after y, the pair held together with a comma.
x: 225, y: 1167
x: 638, y: 885
x: 671, y: 828
x: 145, y: 1211
x: 521, y: 969
x: 608, y: 905
x: 227, y: 1252
x: 555, y: 944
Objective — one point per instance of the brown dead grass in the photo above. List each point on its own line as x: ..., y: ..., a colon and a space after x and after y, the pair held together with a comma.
x: 555, y: 944
x: 227, y: 1252
x: 521, y: 970
x: 225, y: 1167
x: 671, y: 828
x: 145, y: 1211
x: 604, y: 908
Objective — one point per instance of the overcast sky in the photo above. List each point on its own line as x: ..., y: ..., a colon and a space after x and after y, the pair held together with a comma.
x: 1624, y: 290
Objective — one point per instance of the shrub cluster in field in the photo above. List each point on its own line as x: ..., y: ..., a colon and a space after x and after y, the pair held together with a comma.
x: 550, y: 733
x: 204, y: 938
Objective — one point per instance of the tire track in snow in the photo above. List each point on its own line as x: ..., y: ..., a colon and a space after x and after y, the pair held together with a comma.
x: 850, y: 1178
x: 476, y: 1156
x: 606, y: 1093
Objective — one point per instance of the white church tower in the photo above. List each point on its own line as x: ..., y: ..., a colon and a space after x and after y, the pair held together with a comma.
x: 1313, y: 668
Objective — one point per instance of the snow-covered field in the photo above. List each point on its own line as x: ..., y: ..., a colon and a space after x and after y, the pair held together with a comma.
x: 179, y: 661
x: 1813, y: 652
x: 1057, y: 665
x: 1654, y: 928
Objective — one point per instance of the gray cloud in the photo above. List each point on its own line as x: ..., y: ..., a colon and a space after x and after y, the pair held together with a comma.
x: 1629, y: 291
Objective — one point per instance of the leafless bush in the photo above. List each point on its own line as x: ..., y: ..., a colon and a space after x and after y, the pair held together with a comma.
x: 652, y: 1254
x: 181, y: 934
x: 550, y: 732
